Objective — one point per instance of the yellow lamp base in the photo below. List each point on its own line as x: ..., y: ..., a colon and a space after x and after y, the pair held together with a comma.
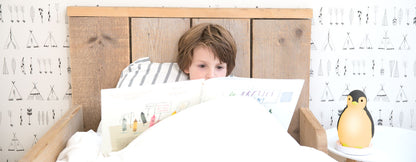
x: 354, y: 151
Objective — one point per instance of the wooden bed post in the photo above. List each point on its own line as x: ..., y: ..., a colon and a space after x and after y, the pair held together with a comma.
x: 311, y: 132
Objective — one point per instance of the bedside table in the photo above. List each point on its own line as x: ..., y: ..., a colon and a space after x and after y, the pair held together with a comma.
x: 388, y: 144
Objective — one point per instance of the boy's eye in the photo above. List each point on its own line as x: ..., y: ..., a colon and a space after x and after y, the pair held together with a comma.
x: 201, y: 66
x: 220, y: 67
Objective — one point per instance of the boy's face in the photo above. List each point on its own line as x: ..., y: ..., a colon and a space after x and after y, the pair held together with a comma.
x: 205, y: 65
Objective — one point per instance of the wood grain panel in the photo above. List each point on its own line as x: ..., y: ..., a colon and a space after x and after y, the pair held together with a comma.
x: 157, y: 38
x: 281, y: 49
x: 99, y: 50
x: 240, y: 30
x: 296, y: 13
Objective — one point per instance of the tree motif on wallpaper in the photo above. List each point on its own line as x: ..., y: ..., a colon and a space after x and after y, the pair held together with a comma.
x: 11, y: 41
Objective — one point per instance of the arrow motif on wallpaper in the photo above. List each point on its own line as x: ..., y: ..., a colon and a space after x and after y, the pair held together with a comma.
x: 1, y: 14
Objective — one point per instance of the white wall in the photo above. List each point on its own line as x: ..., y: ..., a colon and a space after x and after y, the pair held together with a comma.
x: 45, y: 112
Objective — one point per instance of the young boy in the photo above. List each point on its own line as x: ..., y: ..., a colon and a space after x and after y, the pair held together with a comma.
x: 206, y: 51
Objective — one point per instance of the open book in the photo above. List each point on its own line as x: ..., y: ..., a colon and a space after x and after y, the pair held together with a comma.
x: 128, y: 112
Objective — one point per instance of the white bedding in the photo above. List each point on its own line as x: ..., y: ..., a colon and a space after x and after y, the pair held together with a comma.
x: 226, y: 129
x: 82, y: 146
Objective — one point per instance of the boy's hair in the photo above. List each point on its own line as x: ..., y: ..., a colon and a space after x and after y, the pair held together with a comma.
x: 212, y: 36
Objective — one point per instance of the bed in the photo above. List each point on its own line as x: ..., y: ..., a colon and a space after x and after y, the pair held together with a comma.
x: 271, y: 43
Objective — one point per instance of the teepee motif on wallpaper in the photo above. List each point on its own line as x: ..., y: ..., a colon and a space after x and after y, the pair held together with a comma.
x: 381, y: 95
x: 52, y: 95
x: 66, y: 43
x: 15, y: 144
x: 14, y: 93
x: 35, y: 140
x: 50, y: 41
x: 344, y: 94
x: 327, y: 94
x: 386, y: 43
x: 68, y: 93
x: 34, y: 93
x: 401, y: 96
x: 404, y: 45
x: 366, y: 43
x: 32, y: 42
x: 348, y: 44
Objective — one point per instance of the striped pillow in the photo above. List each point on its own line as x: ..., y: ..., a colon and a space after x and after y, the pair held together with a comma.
x: 144, y: 72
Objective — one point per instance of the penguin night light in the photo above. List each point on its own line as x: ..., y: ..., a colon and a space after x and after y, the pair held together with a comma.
x: 355, y: 124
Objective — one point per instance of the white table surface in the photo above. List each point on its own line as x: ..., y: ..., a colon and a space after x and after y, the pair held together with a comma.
x: 388, y: 144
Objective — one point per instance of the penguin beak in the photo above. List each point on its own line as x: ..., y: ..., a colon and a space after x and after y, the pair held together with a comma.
x: 354, y: 102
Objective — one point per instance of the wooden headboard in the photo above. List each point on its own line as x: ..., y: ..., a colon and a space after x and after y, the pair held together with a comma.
x: 271, y: 43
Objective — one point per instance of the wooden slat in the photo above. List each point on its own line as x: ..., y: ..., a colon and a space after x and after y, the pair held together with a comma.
x: 312, y: 134
x: 191, y: 12
x: 157, y: 38
x: 240, y: 30
x: 99, y: 50
x: 281, y: 49
x: 54, y: 141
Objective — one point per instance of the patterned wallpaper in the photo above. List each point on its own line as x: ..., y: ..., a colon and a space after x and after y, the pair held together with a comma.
x: 371, y: 48
x: 355, y: 45
x: 34, y: 73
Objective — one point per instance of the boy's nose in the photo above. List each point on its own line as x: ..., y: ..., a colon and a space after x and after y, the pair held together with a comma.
x: 210, y: 74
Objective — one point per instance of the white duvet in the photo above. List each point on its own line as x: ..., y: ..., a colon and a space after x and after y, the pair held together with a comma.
x: 227, y: 129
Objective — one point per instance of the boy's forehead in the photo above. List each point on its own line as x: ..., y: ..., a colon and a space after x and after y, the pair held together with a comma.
x: 203, y: 51
x: 204, y: 54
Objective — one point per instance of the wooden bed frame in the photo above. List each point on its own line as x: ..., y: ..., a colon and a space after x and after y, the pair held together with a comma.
x: 271, y: 43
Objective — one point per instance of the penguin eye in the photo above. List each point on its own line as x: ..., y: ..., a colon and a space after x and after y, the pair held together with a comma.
x: 362, y: 100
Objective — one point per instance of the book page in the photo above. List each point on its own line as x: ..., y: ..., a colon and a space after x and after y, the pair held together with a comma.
x: 278, y: 96
x: 127, y: 112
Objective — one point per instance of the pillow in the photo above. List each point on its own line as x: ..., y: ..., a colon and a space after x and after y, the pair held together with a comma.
x: 144, y: 72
